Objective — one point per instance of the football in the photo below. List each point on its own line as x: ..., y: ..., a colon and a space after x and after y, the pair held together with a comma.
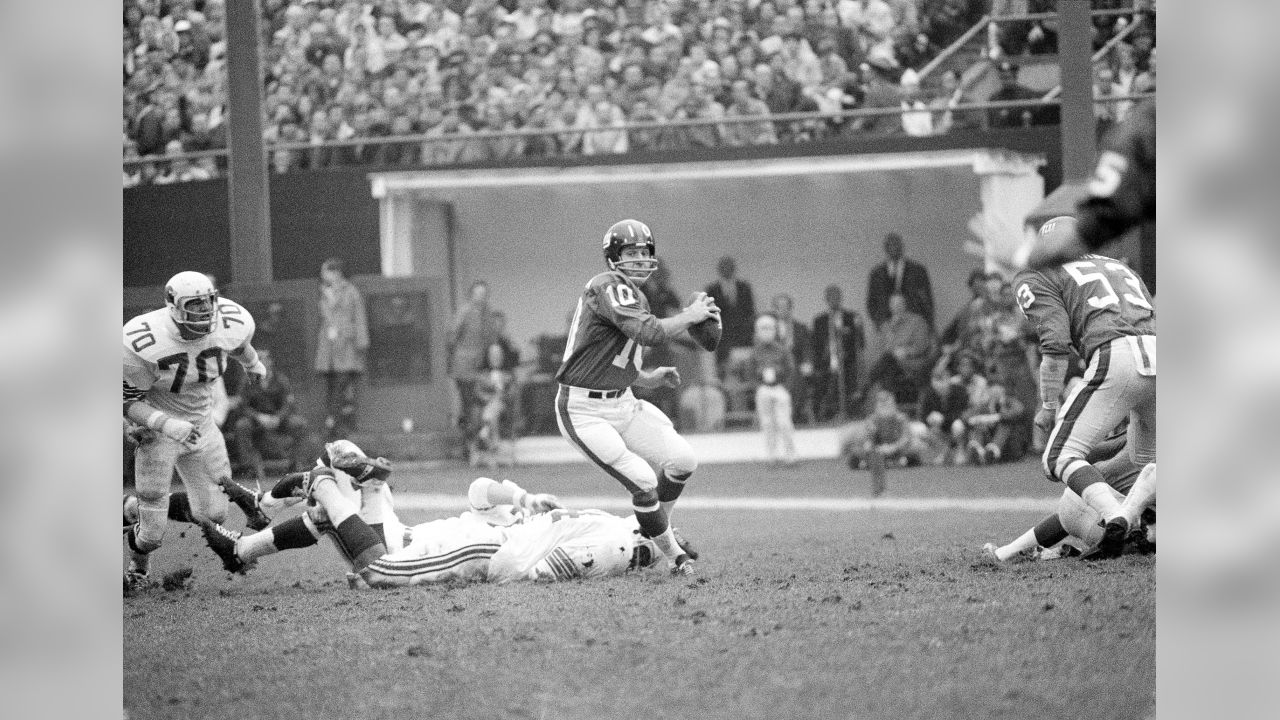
x: 707, y: 333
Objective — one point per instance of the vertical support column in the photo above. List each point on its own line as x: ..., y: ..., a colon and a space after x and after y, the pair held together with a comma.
x: 247, y: 179
x: 1078, y: 128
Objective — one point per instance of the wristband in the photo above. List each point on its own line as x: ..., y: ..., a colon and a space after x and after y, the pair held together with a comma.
x: 1054, y: 405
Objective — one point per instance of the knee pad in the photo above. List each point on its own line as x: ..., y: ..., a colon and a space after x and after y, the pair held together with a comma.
x: 681, y: 465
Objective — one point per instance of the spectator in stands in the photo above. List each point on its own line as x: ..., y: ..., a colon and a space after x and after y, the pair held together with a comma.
x: 890, y: 440
x: 264, y: 423
x: 917, y: 53
x: 992, y: 425
x: 341, y: 346
x: 600, y: 119
x: 879, y: 91
x: 737, y: 308
x: 899, y: 275
x: 917, y: 121
x: 745, y: 105
x: 942, y: 408
x: 950, y: 94
x: 796, y: 338
x: 779, y: 93
x: 908, y: 352
x: 1031, y: 113
x: 1124, y: 69
x: 952, y: 337
x: 473, y: 332
x: 838, y: 342
x: 496, y: 392
x: 772, y: 369
x: 944, y: 21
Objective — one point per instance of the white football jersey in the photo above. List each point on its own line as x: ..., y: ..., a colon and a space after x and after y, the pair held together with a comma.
x: 177, y: 375
x: 564, y: 544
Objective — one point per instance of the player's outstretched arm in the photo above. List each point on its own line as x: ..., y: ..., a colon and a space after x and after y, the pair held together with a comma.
x: 658, y: 377
x: 486, y: 493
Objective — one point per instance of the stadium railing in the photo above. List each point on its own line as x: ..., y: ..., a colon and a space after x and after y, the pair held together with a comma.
x: 828, y: 118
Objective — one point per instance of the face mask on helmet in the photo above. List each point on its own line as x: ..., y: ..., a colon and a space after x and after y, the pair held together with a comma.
x: 193, y: 304
x: 630, y: 234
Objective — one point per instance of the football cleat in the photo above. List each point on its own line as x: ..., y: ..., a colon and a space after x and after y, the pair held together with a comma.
x: 223, y: 542
x: 136, y: 582
x: 1112, y: 542
x: 1138, y: 543
x: 685, y: 545
x: 1065, y: 550
x: 989, y: 553
x: 360, y: 467
x: 248, y: 502
x: 682, y: 565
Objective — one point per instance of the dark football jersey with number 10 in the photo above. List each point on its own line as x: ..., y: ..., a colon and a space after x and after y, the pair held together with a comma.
x: 611, y: 323
x: 1085, y: 304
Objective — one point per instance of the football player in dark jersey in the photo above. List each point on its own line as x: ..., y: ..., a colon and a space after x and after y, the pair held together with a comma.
x: 595, y: 408
x: 1122, y: 193
x: 1099, y: 308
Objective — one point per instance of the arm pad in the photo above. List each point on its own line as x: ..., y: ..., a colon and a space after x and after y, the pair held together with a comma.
x: 1053, y: 370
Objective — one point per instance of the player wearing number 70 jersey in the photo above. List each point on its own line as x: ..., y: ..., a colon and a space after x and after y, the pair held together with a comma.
x: 595, y: 409
x: 172, y: 357
x: 1099, y: 308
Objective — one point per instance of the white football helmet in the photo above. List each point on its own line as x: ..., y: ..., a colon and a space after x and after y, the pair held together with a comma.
x: 193, y: 303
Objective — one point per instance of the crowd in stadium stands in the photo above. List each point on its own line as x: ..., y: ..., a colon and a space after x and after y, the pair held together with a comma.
x: 577, y: 70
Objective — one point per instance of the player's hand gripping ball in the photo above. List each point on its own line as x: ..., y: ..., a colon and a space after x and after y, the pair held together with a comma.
x: 707, y: 332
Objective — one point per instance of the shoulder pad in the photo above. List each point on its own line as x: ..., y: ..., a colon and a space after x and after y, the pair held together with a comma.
x: 234, y: 322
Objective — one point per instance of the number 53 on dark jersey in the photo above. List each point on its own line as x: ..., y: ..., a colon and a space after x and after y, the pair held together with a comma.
x: 1085, y: 304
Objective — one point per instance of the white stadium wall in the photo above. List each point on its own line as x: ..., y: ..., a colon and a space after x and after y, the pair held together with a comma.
x: 794, y: 225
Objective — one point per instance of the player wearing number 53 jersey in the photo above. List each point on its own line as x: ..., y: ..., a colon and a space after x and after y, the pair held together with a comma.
x: 1099, y: 308
x: 595, y: 408
x: 171, y: 358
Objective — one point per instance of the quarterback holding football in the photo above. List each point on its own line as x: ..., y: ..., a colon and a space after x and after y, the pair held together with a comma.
x: 595, y: 409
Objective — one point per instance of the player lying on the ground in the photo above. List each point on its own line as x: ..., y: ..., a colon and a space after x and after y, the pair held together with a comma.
x: 509, y: 534
x: 1075, y: 528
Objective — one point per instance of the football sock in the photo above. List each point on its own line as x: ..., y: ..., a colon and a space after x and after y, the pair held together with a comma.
x: 296, y: 532
x: 653, y: 522
x: 1140, y: 496
x: 666, y: 542
x: 1025, y: 541
x: 669, y: 489
x: 180, y: 507
x: 1049, y: 531
x: 1087, y: 482
x: 359, y: 542
x: 326, y: 494
x: 1101, y: 497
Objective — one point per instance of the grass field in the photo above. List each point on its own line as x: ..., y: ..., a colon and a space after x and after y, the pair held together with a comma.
x: 869, y: 613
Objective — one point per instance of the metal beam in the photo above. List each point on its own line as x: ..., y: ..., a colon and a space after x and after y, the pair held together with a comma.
x: 1079, y: 129
x: 247, y: 180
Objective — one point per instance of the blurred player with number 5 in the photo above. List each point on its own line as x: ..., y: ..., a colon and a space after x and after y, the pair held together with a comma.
x: 595, y: 408
x: 172, y: 358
